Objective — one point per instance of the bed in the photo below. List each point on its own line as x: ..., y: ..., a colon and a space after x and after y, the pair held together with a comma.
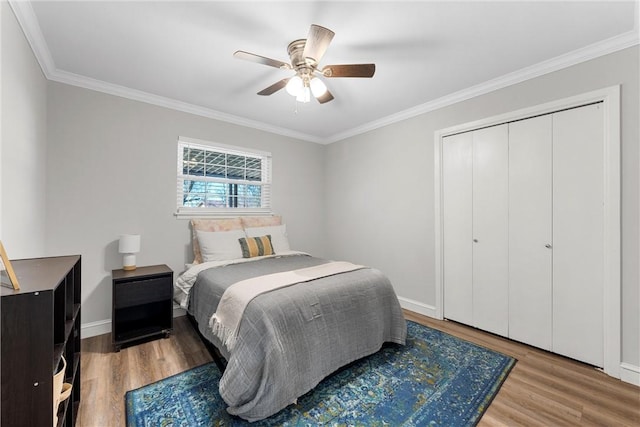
x: 288, y: 338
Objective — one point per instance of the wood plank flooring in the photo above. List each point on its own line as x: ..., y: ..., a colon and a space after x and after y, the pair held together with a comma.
x: 542, y: 390
x: 545, y: 389
x: 107, y: 376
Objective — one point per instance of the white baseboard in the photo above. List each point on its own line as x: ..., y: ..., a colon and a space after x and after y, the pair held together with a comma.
x: 93, y: 329
x: 101, y: 327
x: 418, y: 307
x: 177, y: 311
x: 630, y: 374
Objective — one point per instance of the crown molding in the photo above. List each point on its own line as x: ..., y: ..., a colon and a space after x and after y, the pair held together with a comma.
x: 587, y: 53
x: 26, y: 18
x: 31, y: 28
x: 173, y: 104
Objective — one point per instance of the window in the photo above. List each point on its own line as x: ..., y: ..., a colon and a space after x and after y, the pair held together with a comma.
x: 222, y: 180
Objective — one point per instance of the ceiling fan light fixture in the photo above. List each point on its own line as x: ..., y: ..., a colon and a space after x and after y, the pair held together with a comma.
x: 304, y: 95
x: 318, y: 88
x: 294, y: 86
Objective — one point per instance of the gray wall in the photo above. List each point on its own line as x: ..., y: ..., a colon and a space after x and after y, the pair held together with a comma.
x: 380, y: 195
x: 112, y: 170
x: 23, y: 144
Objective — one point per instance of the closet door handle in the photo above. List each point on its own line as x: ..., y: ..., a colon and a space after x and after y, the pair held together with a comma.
x: 548, y: 246
x: 475, y: 240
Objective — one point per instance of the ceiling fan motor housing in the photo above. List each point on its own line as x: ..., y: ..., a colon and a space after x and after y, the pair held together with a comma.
x: 303, y: 66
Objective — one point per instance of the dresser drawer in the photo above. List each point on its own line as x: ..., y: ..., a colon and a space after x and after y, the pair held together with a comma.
x: 136, y: 292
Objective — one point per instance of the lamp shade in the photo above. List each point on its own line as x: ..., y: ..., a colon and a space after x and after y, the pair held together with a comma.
x: 304, y: 95
x: 129, y: 244
x: 294, y: 86
x: 318, y: 88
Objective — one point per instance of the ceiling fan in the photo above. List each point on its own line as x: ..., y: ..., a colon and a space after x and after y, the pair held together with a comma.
x: 305, y: 55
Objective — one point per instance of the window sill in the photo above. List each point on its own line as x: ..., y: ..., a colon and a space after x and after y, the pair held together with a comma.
x: 220, y: 213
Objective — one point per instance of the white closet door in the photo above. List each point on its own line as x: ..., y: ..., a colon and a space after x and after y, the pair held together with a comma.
x: 530, y: 250
x: 456, y: 205
x: 490, y: 229
x: 578, y: 221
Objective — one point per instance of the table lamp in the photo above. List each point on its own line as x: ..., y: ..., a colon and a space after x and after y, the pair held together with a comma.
x: 129, y: 246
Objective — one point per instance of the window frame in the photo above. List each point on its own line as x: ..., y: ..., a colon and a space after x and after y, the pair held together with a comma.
x: 203, y: 211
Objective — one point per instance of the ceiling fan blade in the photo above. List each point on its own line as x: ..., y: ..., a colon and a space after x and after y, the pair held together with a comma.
x: 317, y: 42
x: 349, y: 70
x: 252, y: 57
x: 325, y: 98
x: 274, y: 87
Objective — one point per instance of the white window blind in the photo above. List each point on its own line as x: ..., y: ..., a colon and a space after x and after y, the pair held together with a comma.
x: 216, y: 179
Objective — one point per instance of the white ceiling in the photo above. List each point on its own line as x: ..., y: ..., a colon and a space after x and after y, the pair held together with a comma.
x: 427, y: 54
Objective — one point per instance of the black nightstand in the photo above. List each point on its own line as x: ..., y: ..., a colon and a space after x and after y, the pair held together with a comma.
x: 142, y: 304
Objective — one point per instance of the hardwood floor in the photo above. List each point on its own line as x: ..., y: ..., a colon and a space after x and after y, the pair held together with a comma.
x: 542, y: 389
x: 107, y: 376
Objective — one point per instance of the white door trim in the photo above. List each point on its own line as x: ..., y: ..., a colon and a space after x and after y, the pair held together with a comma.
x: 610, y: 97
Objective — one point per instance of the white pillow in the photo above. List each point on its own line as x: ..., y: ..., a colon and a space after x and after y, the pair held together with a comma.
x: 220, y: 245
x: 279, y: 239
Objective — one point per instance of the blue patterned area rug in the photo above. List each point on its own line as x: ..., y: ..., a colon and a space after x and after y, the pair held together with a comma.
x: 436, y: 379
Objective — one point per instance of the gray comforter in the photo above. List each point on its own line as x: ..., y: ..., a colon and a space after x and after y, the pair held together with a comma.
x: 291, y: 338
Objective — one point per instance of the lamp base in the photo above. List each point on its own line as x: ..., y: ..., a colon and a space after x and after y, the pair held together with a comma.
x: 129, y: 262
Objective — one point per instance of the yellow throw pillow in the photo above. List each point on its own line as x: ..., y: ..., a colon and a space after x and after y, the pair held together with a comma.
x: 256, y: 246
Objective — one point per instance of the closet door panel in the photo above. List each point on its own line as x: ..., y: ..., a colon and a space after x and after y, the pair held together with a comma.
x: 490, y: 229
x: 578, y: 220
x: 530, y: 221
x: 457, y: 217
